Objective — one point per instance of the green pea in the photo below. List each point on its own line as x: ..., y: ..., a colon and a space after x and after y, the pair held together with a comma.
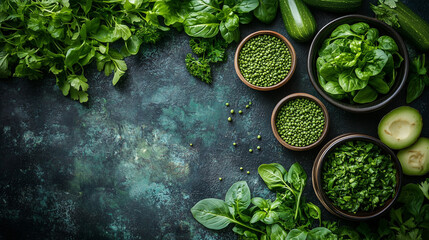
x: 232, y: 111
x: 229, y: 119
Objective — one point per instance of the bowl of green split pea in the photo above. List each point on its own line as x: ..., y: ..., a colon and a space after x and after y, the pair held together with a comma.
x: 265, y: 60
x: 300, y: 121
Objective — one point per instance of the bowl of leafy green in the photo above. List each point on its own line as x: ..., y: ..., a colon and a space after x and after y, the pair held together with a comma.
x: 358, y: 63
x: 356, y: 177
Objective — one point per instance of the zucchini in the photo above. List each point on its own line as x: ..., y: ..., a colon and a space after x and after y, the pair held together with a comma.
x: 336, y: 6
x: 405, y: 21
x: 298, y: 20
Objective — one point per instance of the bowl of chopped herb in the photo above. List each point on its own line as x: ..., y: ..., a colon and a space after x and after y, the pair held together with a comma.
x: 300, y: 121
x: 356, y: 177
x: 265, y: 60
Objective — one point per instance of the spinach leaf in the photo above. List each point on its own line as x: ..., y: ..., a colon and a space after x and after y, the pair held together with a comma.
x: 417, y: 79
x: 329, y: 72
x: 387, y: 43
x: 244, y: 6
x: 277, y: 232
x: 297, y: 176
x: 360, y: 28
x: 229, y: 35
x: 366, y: 95
x: 266, y: 11
x: 238, y: 197
x: 272, y: 176
x: 372, y: 35
x: 375, y: 61
x: 212, y: 213
x: 296, y: 234
x: 342, y: 31
x: 201, y: 24
x: 204, y: 6
x: 379, y: 84
x: 350, y: 82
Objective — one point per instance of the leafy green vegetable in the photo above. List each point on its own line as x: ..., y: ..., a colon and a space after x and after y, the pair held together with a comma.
x: 357, y: 64
x: 209, y: 51
x: 418, y: 78
x: 212, y: 213
x: 424, y: 186
x: 358, y: 176
x: 267, y: 10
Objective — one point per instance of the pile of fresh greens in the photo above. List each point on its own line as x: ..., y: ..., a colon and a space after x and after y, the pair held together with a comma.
x: 358, y: 176
x: 356, y: 64
x: 62, y: 37
x: 290, y: 217
x: 417, y: 79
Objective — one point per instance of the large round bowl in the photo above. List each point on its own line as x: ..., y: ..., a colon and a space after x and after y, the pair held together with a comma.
x: 384, y: 29
x: 318, y: 171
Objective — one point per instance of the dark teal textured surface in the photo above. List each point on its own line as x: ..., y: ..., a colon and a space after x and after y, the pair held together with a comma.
x: 120, y: 167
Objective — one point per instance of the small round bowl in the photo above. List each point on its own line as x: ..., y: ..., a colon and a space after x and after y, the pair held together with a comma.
x: 291, y: 51
x: 384, y: 29
x: 280, y: 105
x: 317, y: 177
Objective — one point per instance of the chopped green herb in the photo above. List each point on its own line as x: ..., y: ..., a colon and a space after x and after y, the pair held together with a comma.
x: 358, y: 176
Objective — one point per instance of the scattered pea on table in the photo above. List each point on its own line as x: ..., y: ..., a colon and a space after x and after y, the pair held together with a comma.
x: 229, y: 119
x: 232, y: 111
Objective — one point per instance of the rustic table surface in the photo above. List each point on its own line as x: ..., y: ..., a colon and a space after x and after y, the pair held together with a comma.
x: 120, y: 167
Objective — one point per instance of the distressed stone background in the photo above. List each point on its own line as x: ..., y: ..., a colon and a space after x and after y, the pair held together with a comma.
x: 120, y: 167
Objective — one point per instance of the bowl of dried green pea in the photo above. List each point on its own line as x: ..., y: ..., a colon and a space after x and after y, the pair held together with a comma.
x: 265, y: 60
x: 300, y: 121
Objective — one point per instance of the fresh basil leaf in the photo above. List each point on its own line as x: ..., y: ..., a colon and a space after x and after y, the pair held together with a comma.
x: 297, y: 176
x: 260, y: 202
x: 258, y: 216
x: 366, y: 95
x: 228, y: 35
x: 272, y: 176
x: 212, y: 213
x: 270, y: 218
x: 204, y: 6
x: 296, y: 234
x: 266, y: 11
x: 277, y: 232
x: 245, y: 18
x: 238, y: 197
x: 201, y: 25
x: 245, y: 6
x: 321, y: 233
x: 232, y: 22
